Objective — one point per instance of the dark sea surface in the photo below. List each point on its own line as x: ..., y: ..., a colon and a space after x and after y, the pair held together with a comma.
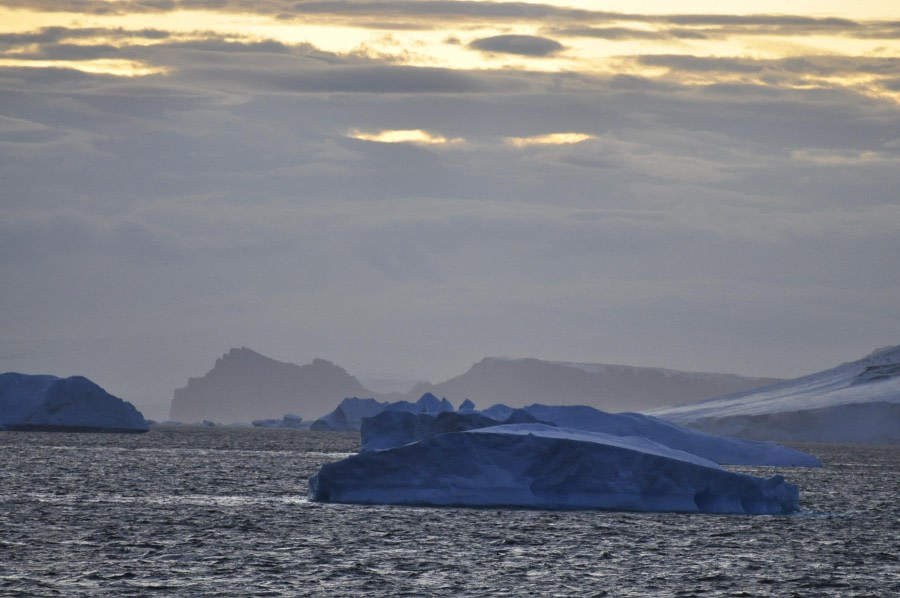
x: 223, y: 512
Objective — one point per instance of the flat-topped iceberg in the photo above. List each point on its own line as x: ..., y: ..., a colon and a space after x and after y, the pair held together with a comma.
x: 540, y: 466
x: 48, y: 403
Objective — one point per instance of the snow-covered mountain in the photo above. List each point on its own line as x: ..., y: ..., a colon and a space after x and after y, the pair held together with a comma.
x: 520, y: 382
x: 853, y: 402
x: 244, y: 386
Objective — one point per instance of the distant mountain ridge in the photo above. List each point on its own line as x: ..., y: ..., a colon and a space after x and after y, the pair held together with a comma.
x: 858, y: 401
x: 244, y: 386
x: 521, y: 382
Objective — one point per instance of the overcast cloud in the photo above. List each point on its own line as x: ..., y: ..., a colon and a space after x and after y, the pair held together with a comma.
x: 701, y: 211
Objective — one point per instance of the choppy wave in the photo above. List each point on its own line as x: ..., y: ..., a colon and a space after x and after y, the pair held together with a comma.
x: 203, y: 512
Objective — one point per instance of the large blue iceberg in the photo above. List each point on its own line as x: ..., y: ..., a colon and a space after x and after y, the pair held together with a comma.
x: 48, y: 403
x: 541, y: 466
x: 389, y: 429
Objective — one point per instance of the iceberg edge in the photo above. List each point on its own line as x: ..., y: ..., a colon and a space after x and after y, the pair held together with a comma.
x: 542, y: 467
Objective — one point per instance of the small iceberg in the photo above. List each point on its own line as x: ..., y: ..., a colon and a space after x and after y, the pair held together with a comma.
x: 546, y: 467
x: 289, y: 421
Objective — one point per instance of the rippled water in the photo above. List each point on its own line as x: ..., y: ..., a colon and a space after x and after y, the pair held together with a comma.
x: 202, y: 512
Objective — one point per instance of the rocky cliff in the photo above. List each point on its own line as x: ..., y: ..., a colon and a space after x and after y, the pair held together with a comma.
x: 244, y: 386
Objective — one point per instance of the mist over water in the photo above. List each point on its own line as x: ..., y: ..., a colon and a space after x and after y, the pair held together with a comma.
x: 201, y: 512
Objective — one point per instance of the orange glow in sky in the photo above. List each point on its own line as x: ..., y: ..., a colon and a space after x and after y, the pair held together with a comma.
x: 601, y: 43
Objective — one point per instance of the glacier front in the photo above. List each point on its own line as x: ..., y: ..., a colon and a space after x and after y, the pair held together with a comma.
x: 540, y: 466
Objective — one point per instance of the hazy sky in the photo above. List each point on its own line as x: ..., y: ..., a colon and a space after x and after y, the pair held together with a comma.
x: 405, y: 187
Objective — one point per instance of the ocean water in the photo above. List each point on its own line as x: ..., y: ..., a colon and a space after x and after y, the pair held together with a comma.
x: 223, y: 512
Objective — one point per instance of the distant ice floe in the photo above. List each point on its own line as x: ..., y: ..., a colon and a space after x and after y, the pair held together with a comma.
x: 290, y: 421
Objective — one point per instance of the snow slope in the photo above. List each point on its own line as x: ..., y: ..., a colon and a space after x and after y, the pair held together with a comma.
x: 40, y: 402
x: 539, y: 466
x: 853, y: 402
x: 721, y: 449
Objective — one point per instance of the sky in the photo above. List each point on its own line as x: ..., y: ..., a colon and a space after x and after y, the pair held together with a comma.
x: 405, y: 187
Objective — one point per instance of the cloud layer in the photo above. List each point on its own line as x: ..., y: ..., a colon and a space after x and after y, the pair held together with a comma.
x: 525, y: 45
x: 706, y: 211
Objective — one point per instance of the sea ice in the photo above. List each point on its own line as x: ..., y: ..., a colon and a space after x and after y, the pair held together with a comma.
x: 540, y: 466
x: 40, y: 402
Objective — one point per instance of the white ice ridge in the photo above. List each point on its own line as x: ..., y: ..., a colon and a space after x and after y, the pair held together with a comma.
x: 539, y: 466
x: 721, y: 449
x: 854, y: 402
x: 41, y: 402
